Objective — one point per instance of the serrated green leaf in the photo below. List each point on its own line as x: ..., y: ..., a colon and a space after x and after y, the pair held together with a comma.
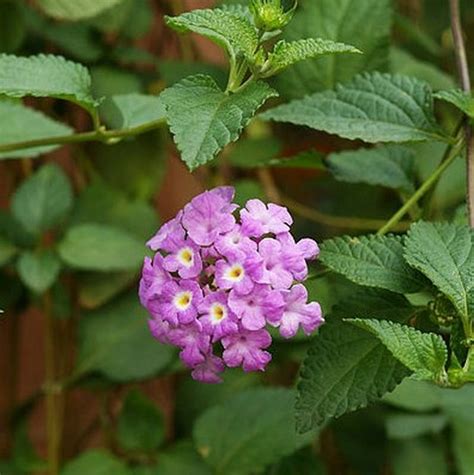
x: 140, y: 425
x: 229, y: 30
x: 76, y: 10
x: 216, y: 119
x: 365, y: 24
x: 136, y: 110
x: 391, y: 166
x: 345, y: 369
x: 7, y: 251
x: 425, y: 354
x: 445, y: 254
x: 374, y: 261
x: 101, y: 248
x: 373, y: 107
x: 38, y: 271
x: 287, y: 53
x: 95, y: 462
x: 46, y: 76
x: 20, y: 123
x: 462, y: 100
x: 43, y: 200
x: 114, y: 338
x: 248, y: 431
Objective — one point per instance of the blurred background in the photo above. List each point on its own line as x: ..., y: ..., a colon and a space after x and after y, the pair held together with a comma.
x: 139, y: 183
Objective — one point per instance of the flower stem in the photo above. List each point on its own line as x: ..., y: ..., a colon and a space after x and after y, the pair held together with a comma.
x: 463, y: 70
x: 390, y: 225
x: 101, y: 135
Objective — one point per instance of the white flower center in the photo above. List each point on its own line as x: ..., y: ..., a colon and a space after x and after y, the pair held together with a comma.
x: 182, y: 300
x: 235, y: 273
x: 186, y: 256
x: 217, y: 312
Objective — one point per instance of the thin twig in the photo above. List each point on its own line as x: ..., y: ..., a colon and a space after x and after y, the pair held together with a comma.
x: 463, y: 71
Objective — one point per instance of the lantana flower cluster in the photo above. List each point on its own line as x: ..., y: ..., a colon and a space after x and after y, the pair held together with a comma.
x: 221, y: 276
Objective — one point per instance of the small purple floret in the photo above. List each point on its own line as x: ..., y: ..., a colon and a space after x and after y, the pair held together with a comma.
x: 219, y: 278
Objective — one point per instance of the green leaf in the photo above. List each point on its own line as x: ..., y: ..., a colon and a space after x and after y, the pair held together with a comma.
x: 7, y: 251
x: 43, y: 200
x: 363, y: 23
x: 405, y: 426
x: 38, y: 271
x: 445, y: 254
x: 374, y: 261
x: 373, y: 107
x: 136, y: 110
x: 101, y: 248
x: 286, y: 53
x: 95, y: 462
x: 12, y: 26
x: 248, y: 431
x: 46, y: 76
x: 425, y: 354
x: 462, y: 100
x: 413, y: 395
x: 462, y: 422
x: 140, y: 425
x: 420, y: 455
x: 114, y: 338
x: 345, y: 369
x: 217, y: 118
x: 77, y: 10
x: 391, y: 166
x: 20, y: 123
x: 230, y: 31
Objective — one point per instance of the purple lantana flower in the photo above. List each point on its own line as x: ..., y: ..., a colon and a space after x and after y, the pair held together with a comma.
x: 297, y: 311
x: 247, y: 349
x: 218, y: 280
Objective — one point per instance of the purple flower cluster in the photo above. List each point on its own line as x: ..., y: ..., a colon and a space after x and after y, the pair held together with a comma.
x: 216, y: 282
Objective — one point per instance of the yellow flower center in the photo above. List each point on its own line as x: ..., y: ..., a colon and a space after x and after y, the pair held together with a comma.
x: 218, y: 313
x: 186, y: 256
x: 235, y: 273
x: 183, y: 300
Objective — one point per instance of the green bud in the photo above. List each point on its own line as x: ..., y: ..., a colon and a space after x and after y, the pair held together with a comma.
x: 272, y: 15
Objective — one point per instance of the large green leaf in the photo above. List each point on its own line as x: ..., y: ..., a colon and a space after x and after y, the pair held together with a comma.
x: 43, y: 200
x: 231, y: 31
x: 287, y: 53
x: 197, y: 104
x: 46, y: 76
x: 363, y: 23
x: 95, y: 462
x: 101, y: 248
x: 38, y: 271
x: 249, y: 431
x: 373, y: 107
x: 445, y: 254
x: 77, y: 9
x: 140, y: 425
x: 391, y: 166
x: 462, y: 100
x: 374, y: 261
x: 136, y: 110
x: 406, y: 426
x: 20, y: 123
x: 345, y: 369
x: 425, y: 354
x: 116, y: 342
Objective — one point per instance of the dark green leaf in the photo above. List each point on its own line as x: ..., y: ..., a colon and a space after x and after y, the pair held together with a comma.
x: 101, y: 248
x: 374, y: 261
x: 217, y: 118
x: 95, y: 462
x: 140, y: 425
x: 373, y: 107
x: 115, y: 338
x: 38, y: 270
x: 7, y: 251
x: 345, y: 369
x: 12, y: 26
x: 43, y: 200
x: 249, y: 431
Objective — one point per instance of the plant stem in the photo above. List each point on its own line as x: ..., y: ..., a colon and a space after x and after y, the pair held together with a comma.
x: 463, y: 70
x: 390, y: 225
x: 101, y: 135
x: 53, y: 409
